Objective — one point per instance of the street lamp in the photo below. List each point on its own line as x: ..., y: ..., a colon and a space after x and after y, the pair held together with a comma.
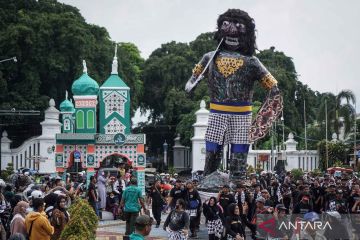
x: 165, y: 147
x: 9, y: 59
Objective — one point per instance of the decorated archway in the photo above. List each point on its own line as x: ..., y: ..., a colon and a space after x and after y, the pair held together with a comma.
x: 113, y: 160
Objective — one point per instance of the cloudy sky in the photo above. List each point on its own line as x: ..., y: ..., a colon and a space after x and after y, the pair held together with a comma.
x: 322, y: 36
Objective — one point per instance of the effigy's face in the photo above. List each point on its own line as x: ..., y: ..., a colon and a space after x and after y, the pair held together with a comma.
x: 233, y: 32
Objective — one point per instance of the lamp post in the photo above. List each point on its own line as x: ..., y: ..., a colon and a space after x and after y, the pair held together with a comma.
x: 165, y: 147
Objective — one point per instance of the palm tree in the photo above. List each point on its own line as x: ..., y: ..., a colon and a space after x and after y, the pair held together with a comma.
x: 340, y: 110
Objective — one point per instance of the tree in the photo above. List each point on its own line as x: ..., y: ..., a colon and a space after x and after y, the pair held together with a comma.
x: 50, y: 40
x: 337, y: 109
x: 337, y: 152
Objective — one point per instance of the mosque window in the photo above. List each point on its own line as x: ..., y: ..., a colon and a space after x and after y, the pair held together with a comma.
x: 80, y: 119
x: 67, y: 125
x: 90, y: 119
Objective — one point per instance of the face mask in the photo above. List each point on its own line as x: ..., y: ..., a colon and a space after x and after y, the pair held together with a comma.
x: 111, y: 196
x: 29, y: 209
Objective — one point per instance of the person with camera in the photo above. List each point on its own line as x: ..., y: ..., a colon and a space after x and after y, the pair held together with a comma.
x: 225, y: 198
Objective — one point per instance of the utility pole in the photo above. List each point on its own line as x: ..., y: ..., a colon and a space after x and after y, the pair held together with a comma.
x: 326, y: 130
x: 355, y: 125
x: 306, y: 151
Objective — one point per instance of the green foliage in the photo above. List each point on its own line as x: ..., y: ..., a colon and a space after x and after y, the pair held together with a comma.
x: 5, y: 174
x: 297, y: 173
x: 317, y: 172
x: 50, y: 40
x: 83, y: 222
x: 337, y: 154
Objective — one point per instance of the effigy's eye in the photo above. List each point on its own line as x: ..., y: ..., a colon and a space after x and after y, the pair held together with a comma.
x: 225, y: 23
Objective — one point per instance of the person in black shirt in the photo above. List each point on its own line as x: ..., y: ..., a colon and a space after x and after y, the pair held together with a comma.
x: 303, y: 206
x: 92, y: 195
x: 317, y: 193
x: 214, y: 219
x: 236, y: 221
x: 176, y: 193
x: 193, y: 205
x: 330, y: 196
x: 157, y: 202
x: 177, y: 222
x: 225, y: 198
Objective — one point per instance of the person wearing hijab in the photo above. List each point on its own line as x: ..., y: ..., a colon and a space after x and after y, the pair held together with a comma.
x: 236, y: 221
x: 60, y: 217
x: 50, y: 201
x: 101, y: 183
x: 214, y: 219
x: 17, y: 224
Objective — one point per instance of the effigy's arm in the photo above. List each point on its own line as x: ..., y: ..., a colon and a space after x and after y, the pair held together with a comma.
x: 197, y: 73
x: 269, y: 111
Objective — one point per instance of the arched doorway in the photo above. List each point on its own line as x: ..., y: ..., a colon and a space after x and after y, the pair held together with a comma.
x: 114, y: 160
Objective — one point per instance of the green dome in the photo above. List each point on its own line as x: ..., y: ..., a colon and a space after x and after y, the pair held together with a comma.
x: 114, y: 81
x: 67, y: 106
x: 85, y: 85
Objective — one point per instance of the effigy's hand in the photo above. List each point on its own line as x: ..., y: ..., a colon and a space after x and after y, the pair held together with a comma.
x: 192, y: 83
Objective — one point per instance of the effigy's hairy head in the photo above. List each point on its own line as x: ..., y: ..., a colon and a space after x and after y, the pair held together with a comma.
x: 238, y: 30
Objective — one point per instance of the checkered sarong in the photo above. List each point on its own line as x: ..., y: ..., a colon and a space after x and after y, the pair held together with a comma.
x: 228, y: 128
x: 215, y: 227
x: 176, y: 235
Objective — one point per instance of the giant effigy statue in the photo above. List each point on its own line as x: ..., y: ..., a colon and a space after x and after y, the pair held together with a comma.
x: 231, y: 71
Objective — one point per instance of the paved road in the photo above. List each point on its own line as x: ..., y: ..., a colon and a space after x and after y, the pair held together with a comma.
x: 115, y: 229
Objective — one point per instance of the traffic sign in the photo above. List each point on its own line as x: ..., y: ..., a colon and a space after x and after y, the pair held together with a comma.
x: 77, y: 156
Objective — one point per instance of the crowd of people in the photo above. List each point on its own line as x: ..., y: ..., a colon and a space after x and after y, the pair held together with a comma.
x: 39, y: 211
x: 252, y: 202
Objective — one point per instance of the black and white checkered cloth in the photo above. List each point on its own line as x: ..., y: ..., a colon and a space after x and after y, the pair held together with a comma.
x: 176, y: 235
x: 228, y: 128
x: 215, y: 227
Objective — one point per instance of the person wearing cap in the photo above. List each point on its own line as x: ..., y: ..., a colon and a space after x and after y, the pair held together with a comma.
x: 281, y: 218
x: 310, y: 232
x: 143, y: 225
x: 259, y: 210
x: 338, y: 229
x: 338, y: 204
x: 268, y: 202
x: 225, y: 198
x: 176, y: 193
x: 130, y: 203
